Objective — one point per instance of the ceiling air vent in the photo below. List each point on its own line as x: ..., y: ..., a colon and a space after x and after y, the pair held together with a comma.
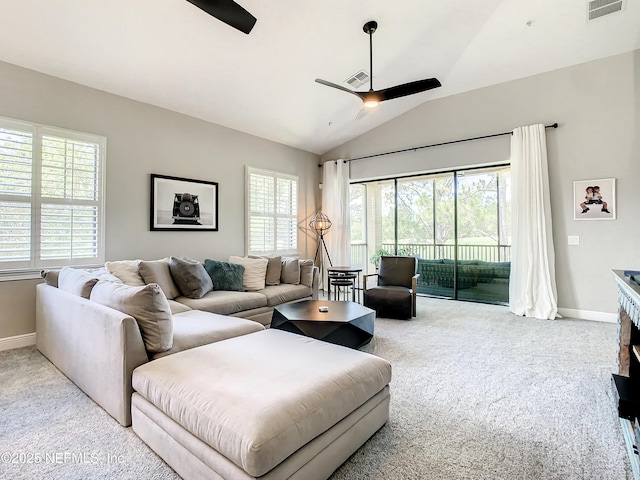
x: 599, y: 8
x: 358, y: 79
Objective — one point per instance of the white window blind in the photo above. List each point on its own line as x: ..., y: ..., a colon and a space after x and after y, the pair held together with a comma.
x: 272, y: 218
x: 51, y: 197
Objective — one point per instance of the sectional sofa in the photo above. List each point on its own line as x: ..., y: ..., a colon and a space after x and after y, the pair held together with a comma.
x: 215, y: 396
x: 98, y: 325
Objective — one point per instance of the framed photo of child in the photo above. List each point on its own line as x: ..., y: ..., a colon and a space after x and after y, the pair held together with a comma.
x: 594, y: 199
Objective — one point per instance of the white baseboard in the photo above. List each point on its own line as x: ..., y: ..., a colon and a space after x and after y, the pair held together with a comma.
x: 588, y: 315
x: 18, y: 341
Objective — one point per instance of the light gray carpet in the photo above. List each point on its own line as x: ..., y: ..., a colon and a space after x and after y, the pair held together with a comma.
x: 477, y: 393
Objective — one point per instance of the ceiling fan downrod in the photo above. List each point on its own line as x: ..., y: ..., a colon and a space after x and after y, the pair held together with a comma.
x: 372, y: 100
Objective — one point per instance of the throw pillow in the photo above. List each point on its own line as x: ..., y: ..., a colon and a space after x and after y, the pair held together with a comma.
x: 306, y: 273
x: 50, y: 277
x: 102, y: 274
x: 147, y: 304
x: 127, y: 271
x: 224, y: 275
x: 192, y: 279
x: 77, y: 281
x: 290, y: 271
x: 255, y: 271
x: 274, y: 269
x: 157, y: 271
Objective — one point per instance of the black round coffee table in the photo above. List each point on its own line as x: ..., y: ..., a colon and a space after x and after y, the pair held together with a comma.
x: 345, y: 323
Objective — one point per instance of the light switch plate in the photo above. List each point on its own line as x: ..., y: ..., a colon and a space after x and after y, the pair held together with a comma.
x: 573, y: 240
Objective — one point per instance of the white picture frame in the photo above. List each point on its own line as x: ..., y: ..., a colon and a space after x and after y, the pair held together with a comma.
x: 589, y: 204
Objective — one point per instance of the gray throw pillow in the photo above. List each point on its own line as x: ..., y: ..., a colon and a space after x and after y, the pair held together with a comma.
x: 50, y: 277
x: 157, y: 271
x: 147, y: 304
x: 225, y: 275
x: 192, y: 279
x: 306, y: 273
x: 290, y: 271
x: 274, y: 269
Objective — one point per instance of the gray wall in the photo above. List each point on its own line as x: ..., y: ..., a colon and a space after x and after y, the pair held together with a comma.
x: 597, y: 105
x: 142, y: 139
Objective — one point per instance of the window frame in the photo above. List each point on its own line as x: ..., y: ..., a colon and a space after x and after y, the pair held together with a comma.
x: 275, y: 215
x: 29, y: 269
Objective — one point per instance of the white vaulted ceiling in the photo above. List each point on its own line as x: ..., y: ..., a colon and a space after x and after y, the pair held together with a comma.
x: 170, y: 54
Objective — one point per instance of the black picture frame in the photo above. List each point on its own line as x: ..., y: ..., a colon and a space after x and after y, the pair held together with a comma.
x: 183, y: 204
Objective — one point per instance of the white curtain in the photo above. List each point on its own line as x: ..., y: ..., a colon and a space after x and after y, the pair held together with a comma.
x: 335, y: 204
x: 532, y: 285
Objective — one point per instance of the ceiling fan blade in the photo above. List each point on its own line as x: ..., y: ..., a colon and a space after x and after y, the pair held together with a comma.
x: 408, y: 88
x: 228, y: 12
x: 340, y: 87
x: 366, y: 112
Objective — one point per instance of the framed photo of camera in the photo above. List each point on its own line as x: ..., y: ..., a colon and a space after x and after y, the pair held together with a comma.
x: 183, y: 204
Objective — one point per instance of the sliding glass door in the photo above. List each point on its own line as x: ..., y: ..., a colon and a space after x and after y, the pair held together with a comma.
x: 483, y: 235
x: 457, y: 224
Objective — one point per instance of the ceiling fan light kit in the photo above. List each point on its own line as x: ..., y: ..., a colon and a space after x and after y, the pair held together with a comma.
x: 371, y: 101
x: 372, y: 98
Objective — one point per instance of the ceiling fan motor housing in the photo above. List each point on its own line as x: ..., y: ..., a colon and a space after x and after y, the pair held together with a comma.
x: 370, y: 27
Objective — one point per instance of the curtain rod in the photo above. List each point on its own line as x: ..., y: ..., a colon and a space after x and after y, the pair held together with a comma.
x: 553, y: 125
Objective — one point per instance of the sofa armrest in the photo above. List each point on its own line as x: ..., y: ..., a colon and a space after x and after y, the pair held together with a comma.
x: 315, y: 284
x: 97, y: 347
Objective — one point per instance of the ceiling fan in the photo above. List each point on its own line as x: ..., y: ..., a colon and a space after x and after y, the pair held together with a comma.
x: 228, y: 12
x: 372, y: 98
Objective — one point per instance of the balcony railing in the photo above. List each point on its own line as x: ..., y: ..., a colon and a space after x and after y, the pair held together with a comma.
x: 487, y: 253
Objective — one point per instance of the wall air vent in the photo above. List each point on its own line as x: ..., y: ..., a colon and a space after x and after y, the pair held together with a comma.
x: 600, y: 8
x: 358, y: 79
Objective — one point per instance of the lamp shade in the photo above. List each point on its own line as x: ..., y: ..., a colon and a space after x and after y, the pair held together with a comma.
x: 320, y: 223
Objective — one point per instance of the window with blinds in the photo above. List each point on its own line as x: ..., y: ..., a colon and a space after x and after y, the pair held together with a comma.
x: 272, y: 212
x: 51, y: 197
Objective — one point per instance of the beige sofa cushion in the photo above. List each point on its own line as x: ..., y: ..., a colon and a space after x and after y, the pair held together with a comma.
x: 177, y: 307
x: 77, y: 281
x: 157, y: 271
x: 126, y: 271
x: 258, y: 398
x: 277, y: 294
x: 192, y: 279
x: 147, y: 304
x: 255, y: 271
x: 225, y: 302
x: 196, y: 328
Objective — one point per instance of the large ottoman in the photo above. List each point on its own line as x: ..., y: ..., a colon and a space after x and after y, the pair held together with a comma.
x: 268, y: 405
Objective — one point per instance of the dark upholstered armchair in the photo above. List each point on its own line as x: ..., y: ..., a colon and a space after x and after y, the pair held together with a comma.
x: 394, y: 296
